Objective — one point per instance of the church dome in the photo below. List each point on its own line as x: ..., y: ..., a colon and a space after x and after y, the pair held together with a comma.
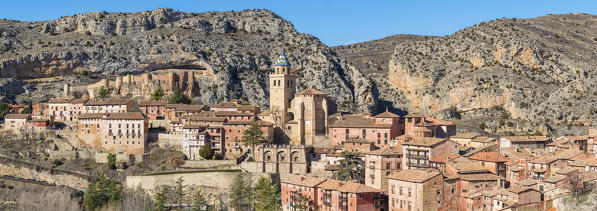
x: 282, y: 60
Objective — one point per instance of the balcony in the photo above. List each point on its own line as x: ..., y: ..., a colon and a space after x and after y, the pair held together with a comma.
x: 417, y: 156
x: 415, y: 164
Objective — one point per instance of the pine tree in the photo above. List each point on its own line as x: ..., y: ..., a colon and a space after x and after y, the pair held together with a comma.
x: 179, y: 192
x: 199, y: 201
x: 267, y: 195
x: 160, y: 198
x: 240, y: 194
x: 157, y: 94
x: 89, y: 196
x: 206, y: 152
x: 350, y: 167
x: 252, y: 136
x: 103, y: 92
x: 179, y: 97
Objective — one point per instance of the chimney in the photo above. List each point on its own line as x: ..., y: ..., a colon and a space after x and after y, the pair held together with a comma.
x: 301, y: 179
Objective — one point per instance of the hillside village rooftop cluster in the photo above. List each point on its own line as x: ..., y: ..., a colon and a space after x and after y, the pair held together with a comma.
x: 410, y: 163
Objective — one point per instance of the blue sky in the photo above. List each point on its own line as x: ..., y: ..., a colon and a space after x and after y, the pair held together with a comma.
x: 335, y: 22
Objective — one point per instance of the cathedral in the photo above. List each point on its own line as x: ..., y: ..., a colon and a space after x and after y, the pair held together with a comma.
x: 299, y: 117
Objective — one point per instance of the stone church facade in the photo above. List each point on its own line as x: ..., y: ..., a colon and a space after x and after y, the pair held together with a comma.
x: 299, y: 117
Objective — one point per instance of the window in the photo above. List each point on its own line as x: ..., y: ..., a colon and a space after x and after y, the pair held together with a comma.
x: 464, y: 190
x: 346, y: 131
x: 385, y: 135
x: 364, y: 133
x: 409, y: 192
x: 388, y: 165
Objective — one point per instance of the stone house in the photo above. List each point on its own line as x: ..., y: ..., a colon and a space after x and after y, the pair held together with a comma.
x: 293, y: 186
x: 194, y: 137
x: 493, y: 161
x: 439, y: 162
x: 415, y: 189
x: 108, y: 106
x: 529, y: 142
x: 381, y: 163
x: 154, y: 110
x: 40, y: 109
x: 380, y: 128
x: 176, y: 112
x: 418, y: 125
x: 40, y: 124
x: 418, y: 151
x: 349, y: 196
x: 16, y: 121
x: 118, y: 133
x: 464, y: 139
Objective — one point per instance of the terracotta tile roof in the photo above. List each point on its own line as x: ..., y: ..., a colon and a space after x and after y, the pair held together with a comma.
x: 526, y: 138
x: 153, y: 103
x: 465, y: 165
x: 17, y: 116
x: 528, y: 182
x: 310, y: 91
x: 483, y: 139
x: 470, y: 135
x: 357, y: 140
x: 566, y: 171
x: 444, y: 158
x: 108, y: 102
x: 489, y: 157
x: 265, y: 113
x: 413, y: 115
x: 519, y: 190
x: 248, y: 122
x: 351, y: 187
x: 129, y: 115
x: 232, y: 113
x: 250, y: 107
x: 39, y: 120
x: 397, y: 150
x: 422, y: 129
x: 92, y: 115
x: 184, y: 107
x: 555, y: 179
x: 387, y: 114
x: 358, y: 121
x: 479, y: 177
x: 225, y: 105
x: 303, y: 181
x: 515, y: 168
x: 321, y: 150
x: 59, y: 100
x: 426, y: 141
x: 189, y: 126
x: 414, y: 175
x: 82, y: 100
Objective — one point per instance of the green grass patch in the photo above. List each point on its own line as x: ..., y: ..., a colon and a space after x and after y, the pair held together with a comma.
x: 196, y: 171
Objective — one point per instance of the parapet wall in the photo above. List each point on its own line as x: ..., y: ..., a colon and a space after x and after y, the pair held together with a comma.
x: 219, y: 180
x: 42, y: 175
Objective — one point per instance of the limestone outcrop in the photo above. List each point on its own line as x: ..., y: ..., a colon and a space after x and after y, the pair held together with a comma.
x: 239, y: 47
x: 537, y: 70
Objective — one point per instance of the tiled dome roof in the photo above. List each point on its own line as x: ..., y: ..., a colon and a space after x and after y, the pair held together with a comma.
x: 282, y: 60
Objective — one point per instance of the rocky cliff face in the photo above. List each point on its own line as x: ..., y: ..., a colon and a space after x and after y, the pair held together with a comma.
x: 239, y: 47
x: 539, y: 70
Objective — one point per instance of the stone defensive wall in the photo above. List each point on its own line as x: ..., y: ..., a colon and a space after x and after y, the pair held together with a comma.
x: 218, y: 180
x: 57, y: 178
x: 207, y: 164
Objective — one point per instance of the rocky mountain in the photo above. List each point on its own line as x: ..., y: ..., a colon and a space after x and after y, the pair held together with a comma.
x: 511, y: 75
x: 238, y: 47
x: 373, y: 56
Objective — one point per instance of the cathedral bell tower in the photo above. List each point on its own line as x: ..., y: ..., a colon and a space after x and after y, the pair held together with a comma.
x: 282, y: 87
